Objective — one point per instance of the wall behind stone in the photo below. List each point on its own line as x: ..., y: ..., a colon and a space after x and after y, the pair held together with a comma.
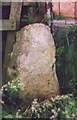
x: 68, y: 9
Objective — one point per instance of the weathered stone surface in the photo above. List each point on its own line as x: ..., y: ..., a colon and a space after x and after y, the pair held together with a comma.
x: 32, y: 61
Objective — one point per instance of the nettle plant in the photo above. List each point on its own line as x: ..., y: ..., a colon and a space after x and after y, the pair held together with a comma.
x: 61, y: 107
x: 10, y: 93
x: 67, y: 61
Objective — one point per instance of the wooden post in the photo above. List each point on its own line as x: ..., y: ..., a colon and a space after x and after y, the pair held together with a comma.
x: 15, y: 13
x: 7, y: 25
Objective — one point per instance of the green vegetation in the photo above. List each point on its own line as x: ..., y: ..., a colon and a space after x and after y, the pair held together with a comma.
x: 67, y: 61
x: 27, y: 19
x: 10, y: 98
x: 45, y: 19
x: 61, y: 107
x: 59, y: 17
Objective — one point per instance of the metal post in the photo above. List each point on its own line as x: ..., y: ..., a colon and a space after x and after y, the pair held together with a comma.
x: 59, y: 8
x: 49, y: 14
x: 75, y: 13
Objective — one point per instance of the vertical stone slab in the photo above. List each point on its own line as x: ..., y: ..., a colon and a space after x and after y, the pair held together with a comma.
x: 33, y: 62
